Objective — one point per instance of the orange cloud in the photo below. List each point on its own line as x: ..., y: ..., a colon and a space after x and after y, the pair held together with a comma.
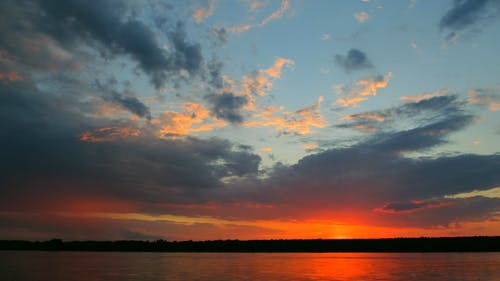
x: 255, y: 5
x: 195, y: 118
x: 371, y: 116
x: 424, y: 96
x: 297, y: 122
x: 361, y: 17
x: 275, y: 70
x: 238, y: 29
x: 285, y: 5
x: 311, y: 146
x: 257, y: 84
x: 201, y: 14
x: 11, y: 76
x: 108, y: 134
x: 361, y: 90
x: 490, y: 101
x: 266, y: 149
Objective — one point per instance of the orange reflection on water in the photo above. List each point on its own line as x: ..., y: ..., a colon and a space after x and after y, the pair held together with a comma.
x: 345, y: 266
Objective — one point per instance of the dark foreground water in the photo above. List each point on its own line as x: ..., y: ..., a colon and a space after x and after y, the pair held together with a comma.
x: 89, y: 266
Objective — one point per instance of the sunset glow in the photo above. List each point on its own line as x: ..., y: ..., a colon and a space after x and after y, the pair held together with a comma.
x: 218, y: 119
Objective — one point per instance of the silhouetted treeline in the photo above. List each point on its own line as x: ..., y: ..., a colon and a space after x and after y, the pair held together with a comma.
x: 445, y: 244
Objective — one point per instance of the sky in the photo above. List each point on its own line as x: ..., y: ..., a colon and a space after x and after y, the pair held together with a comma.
x: 249, y: 119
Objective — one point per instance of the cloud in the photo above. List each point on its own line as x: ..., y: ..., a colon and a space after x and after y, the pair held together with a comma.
x: 488, y: 98
x: 258, y: 83
x: 59, y: 37
x: 355, y: 60
x: 238, y: 29
x: 311, y: 147
x: 219, y: 35
x: 371, y: 116
x: 254, y: 5
x: 299, y: 122
x: 285, y: 5
x: 424, y: 96
x: 411, y: 206
x: 11, y: 76
x: 46, y: 156
x: 126, y: 100
x: 417, y: 49
x: 361, y: 17
x: 45, y: 165
x: 465, y: 14
x: 203, y: 13
x: 279, y: 13
x: 227, y: 106
x: 194, y: 118
x: 109, y: 134
x: 359, y: 91
x: 363, y: 122
x: 266, y: 149
x: 415, y: 113
x: 398, y: 190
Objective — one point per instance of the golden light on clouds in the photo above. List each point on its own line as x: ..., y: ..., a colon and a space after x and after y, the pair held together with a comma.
x: 194, y: 118
x: 108, y: 134
x: 352, y: 95
x: 201, y: 14
x: 298, y: 122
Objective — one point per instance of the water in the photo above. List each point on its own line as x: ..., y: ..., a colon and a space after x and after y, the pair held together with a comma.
x: 90, y: 266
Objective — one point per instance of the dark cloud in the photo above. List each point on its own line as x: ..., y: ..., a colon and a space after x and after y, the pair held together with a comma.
x: 423, y: 137
x: 448, y: 109
x: 59, y: 28
x: 187, y: 55
x: 408, y: 188
x: 127, y: 102
x: 218, y: 35
x: 43, y: 157
x: 466, y: 13
x: 355, y: 60
x: 215, y: 73
x: 227, y: 106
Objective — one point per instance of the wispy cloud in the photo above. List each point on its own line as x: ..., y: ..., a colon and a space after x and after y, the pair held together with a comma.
x: 361, y: 89
x: 285, y: 5
x: 258, y: 84
x: 238, y: 29
x: 371, y: 116
x: 466, y: 14
x: 255, y: 5
x: 424, y: 96
x: 203, y: 13
x: 109, y: 134
x: 279, y: 13
x: 417, y: 48
x: 361, y: 17
x: 299, y: 122
x: 489, y: 98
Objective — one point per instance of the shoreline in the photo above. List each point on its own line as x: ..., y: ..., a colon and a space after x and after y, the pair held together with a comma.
x: 384, y: 245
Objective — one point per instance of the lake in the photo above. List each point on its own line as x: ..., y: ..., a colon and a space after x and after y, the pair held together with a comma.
x: 114, y: 266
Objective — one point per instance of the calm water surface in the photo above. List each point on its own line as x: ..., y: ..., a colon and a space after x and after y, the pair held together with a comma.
x: 88, y: 266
